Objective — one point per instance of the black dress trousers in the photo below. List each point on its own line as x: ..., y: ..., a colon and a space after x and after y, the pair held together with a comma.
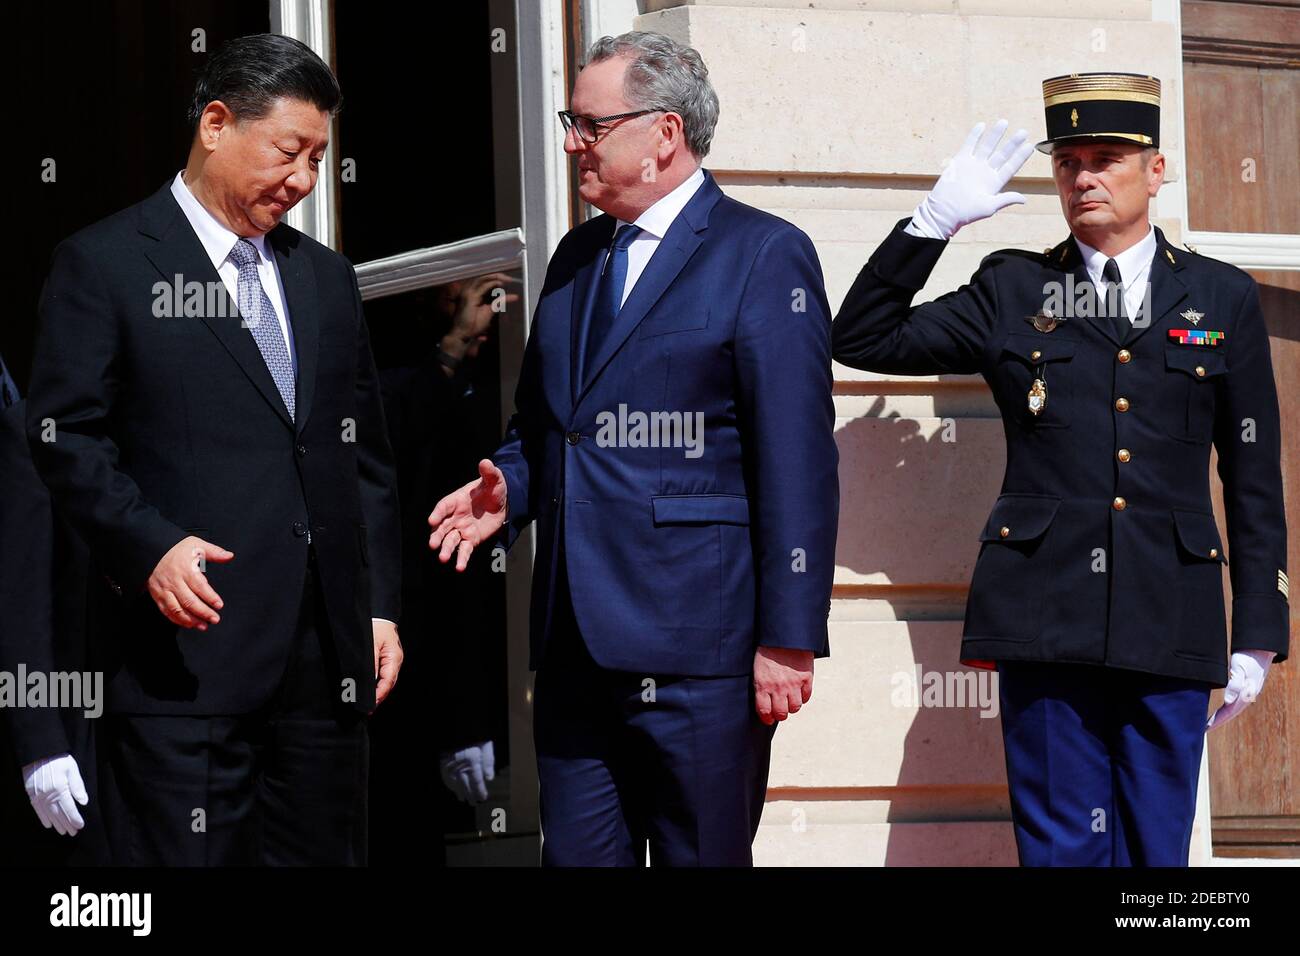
x: 282, y: 786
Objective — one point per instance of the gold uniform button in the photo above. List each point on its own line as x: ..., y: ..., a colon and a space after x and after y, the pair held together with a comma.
x: 1200, y: 371
x: 1035, y: 355
x: 1005, y: 531
x: 1214, y: 552
x: 1124, y: 356
x: 1123, y: 454
x: 1119, y: 504
x: 1121, y: 404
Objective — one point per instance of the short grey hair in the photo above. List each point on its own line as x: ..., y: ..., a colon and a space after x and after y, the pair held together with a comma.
x: 665, y: 75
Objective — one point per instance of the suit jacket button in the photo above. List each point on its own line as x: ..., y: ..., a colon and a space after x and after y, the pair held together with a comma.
x: 302, y: 450
x: 1124, y: 356
x: 1123, y: 454
x: 1119, y: 504
x: 1121, y: 404
x: 572, y: 438
x: 299, y: 529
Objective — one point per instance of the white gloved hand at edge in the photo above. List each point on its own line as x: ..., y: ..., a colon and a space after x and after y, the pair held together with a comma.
x: 1245, y: 681
x: 54, y: 787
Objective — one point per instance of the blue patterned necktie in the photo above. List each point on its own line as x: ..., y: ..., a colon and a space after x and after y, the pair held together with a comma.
x: 609, y: 294
x: 259, y: 315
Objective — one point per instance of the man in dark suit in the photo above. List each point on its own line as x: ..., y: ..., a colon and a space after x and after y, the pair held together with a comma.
x: 673, y: 439
x: 48, y: 750
x: 205, y: 411
x: 1115, y: 360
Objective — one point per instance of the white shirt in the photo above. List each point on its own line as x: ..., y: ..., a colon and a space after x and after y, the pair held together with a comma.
x: 654, y: 223
x: 218, y: 241
x: 1134, y: 268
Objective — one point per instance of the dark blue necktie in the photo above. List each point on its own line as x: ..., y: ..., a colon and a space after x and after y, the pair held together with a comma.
x: 609, y: 293
x: 8, y: 390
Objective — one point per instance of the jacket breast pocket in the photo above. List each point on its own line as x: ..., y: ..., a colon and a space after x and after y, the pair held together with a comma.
x: 669, y: 319
x: 1029, y: 357
x: 1013, y: 569
x: 1193, y: 376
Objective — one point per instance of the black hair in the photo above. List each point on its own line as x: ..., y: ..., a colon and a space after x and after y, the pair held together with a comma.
x: 250, y: 73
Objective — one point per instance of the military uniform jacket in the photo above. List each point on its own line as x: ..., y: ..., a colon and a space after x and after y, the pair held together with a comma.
x: 1102, y: 547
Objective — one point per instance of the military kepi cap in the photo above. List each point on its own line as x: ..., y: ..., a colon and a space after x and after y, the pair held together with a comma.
x: 1100, y: 107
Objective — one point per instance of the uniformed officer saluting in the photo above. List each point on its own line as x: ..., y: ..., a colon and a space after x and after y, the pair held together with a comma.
x: 1115, y: 360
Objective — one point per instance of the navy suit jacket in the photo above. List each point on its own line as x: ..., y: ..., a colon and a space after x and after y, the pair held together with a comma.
x: 681, y: 561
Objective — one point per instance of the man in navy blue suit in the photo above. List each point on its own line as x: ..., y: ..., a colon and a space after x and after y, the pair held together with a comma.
x: 673, y: 440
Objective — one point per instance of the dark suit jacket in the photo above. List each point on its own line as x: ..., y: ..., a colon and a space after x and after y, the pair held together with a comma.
x: 43, y: 577
x: 164, y: 427
x: 679, y: 564
x: 1070, y: 495
x: 43, y: 568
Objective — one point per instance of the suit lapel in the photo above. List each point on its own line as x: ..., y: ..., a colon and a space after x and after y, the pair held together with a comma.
x: 300, y: 294
x: 178, y: 252
x: 1167, y: 288
x: 684, y: 236
x: 1066, y: 269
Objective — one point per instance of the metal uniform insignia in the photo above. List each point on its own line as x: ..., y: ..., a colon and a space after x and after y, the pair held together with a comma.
x: 1283, y: 584
x: 1044, y: 321
x: 1074, y: 119
x: 1037, y: 396
x: 1192, y: 316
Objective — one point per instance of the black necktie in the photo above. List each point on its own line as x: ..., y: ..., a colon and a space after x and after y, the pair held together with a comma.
x: 1110, y: 272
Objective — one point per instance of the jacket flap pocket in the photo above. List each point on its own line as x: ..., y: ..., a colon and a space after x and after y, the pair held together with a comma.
x: 705, y: 509
x: 1199, y: 535
x: 1200, y: 362
x: 1035, y: 347
x: 1020, y: 517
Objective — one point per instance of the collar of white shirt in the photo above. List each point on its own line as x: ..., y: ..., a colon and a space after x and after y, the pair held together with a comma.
x: 217, y: 239
x: 660, y: 216
x: 1132, y: 262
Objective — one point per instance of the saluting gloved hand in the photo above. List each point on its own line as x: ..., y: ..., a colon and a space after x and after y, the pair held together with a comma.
x: 971, y: 185
x: 1245, y: 680
x: 54, y: 786
x: 467, y: 771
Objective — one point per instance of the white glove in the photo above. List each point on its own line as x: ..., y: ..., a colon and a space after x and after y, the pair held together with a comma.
x: 52, y: 784
x: 1245, y: 681
x: 466, y: 772
x: 971, y: 185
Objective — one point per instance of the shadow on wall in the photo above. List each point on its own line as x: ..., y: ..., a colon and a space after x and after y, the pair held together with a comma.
x: 913, y: 500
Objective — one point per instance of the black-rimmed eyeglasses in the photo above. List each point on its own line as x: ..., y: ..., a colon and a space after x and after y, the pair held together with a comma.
x: 589, y: 127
